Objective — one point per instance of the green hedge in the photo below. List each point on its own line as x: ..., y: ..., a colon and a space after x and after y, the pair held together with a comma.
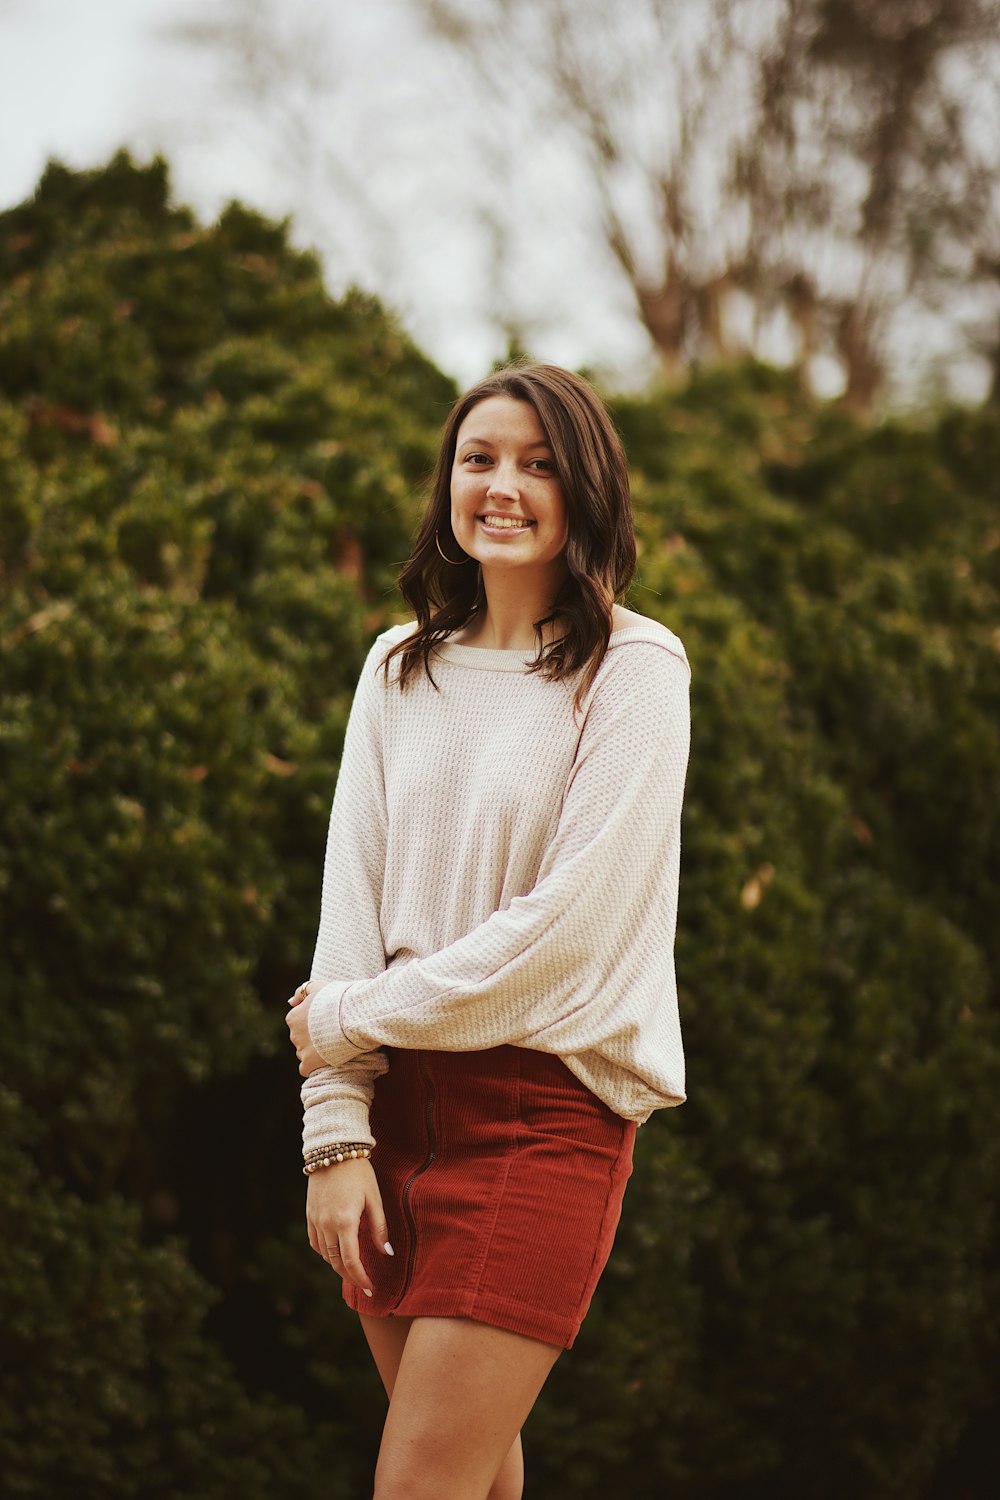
x: 209, y: 472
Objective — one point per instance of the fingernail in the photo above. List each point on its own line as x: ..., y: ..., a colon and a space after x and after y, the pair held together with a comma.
x: 388, y: 1248
x: 366, y: 1291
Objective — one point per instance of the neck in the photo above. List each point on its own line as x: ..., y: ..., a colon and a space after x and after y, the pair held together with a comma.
x: 513, y: 604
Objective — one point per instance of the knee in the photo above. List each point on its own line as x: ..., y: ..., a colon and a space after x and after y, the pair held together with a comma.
x: 428, y: 1482
x: 412, y: 1481
x: 407, y: 1487
x: 413, y: 1487
x: 506, y: 1487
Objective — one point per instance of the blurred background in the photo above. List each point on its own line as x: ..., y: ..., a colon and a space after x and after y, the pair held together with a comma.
x: 635, y: 185
x: 248, y: 255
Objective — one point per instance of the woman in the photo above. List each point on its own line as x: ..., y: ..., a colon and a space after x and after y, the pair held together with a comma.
x: 492, y: 1007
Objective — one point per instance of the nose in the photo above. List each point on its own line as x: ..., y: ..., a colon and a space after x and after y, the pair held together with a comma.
x: 503, y: 483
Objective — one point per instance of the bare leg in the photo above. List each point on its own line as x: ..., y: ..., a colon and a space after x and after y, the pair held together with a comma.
x: 386, y: 1339
x: 459, y: 1393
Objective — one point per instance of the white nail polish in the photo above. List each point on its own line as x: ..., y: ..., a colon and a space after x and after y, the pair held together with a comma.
x: 388, y: 1248
x: 366, y: 1291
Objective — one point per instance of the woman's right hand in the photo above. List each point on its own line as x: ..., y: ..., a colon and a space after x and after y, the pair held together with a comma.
x: 337, y: 1198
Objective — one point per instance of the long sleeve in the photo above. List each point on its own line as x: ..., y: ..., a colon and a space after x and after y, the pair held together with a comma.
x: 582, y: 964
x: 336, y: 1099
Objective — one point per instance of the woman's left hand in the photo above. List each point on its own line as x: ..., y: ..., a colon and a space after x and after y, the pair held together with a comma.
x: 297, y: 1021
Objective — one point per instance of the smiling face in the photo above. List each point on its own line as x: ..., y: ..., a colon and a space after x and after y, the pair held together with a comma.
x: 507, y: 504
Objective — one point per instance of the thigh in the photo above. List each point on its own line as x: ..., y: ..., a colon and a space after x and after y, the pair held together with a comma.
x: 386, y: 1340
x: 460, y: 1395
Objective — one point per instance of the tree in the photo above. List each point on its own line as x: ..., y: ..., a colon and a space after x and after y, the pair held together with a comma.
x: 810, y: 181
x: 205, y: 470
x: 811, y: 173
x: 208, y: 471
x: 875, y: 139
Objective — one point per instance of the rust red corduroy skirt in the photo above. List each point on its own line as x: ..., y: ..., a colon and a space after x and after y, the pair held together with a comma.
x: 502, y: 1178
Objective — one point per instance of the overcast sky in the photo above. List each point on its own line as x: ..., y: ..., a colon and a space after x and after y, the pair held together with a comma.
x: 77, y: 81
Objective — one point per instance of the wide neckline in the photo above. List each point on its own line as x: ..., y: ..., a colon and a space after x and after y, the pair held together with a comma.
x: 515, y: 658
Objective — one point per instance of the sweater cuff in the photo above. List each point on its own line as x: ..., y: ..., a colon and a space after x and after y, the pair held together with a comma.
x: 353, y: 1011
x: 325, y: 1031
x: 334, y: 1121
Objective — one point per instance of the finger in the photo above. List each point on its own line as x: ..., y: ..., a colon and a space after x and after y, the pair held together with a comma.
x: 320, y: 1241
x: 376, y: 1222
x: 332, y: 1255
x: 324, y: 1245
x: 353, y: 1268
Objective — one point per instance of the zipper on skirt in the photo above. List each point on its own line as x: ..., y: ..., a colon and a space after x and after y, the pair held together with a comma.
x: 410, y: 1183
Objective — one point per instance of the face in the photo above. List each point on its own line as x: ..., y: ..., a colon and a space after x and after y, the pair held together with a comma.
x: 507, y: 506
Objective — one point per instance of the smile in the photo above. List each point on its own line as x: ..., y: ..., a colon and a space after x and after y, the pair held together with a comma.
x: 505, y: 523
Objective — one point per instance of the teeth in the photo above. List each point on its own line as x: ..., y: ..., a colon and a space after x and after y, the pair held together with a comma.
x: 507, y: 523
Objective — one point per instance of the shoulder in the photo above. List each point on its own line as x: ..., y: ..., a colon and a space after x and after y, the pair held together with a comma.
x: 386, y: 641
x: 372, y: 678
x: 635, y: 637
x: 392, y: 637
x: 642, y: 687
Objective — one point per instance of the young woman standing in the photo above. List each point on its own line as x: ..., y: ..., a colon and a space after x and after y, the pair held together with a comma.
x: 492, y: 1007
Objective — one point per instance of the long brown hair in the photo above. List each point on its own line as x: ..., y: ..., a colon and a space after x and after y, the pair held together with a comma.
x: 600, y: 553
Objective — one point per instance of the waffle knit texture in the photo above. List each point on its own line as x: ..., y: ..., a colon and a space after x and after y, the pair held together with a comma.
x: 503, y: 870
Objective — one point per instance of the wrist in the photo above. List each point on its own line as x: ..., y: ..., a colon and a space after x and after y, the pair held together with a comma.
x: 329, y: 1156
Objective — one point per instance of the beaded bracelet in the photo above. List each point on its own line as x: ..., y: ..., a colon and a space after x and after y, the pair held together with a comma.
x: 345, y: 1147
x: 325, y: 1156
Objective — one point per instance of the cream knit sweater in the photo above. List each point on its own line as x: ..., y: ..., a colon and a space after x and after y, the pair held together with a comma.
x: 500, y: 870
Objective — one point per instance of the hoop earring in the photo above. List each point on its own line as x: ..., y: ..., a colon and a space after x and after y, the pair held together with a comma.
x: 450, y: 560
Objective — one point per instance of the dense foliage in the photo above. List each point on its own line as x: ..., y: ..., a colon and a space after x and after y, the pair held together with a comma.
x: 208, y: 473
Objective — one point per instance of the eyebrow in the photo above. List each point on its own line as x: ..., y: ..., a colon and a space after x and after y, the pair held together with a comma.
x: 488, y: 443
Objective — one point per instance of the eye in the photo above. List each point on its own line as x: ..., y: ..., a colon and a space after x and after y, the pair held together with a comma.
x: 544, y: 463
x: 478, y: 459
